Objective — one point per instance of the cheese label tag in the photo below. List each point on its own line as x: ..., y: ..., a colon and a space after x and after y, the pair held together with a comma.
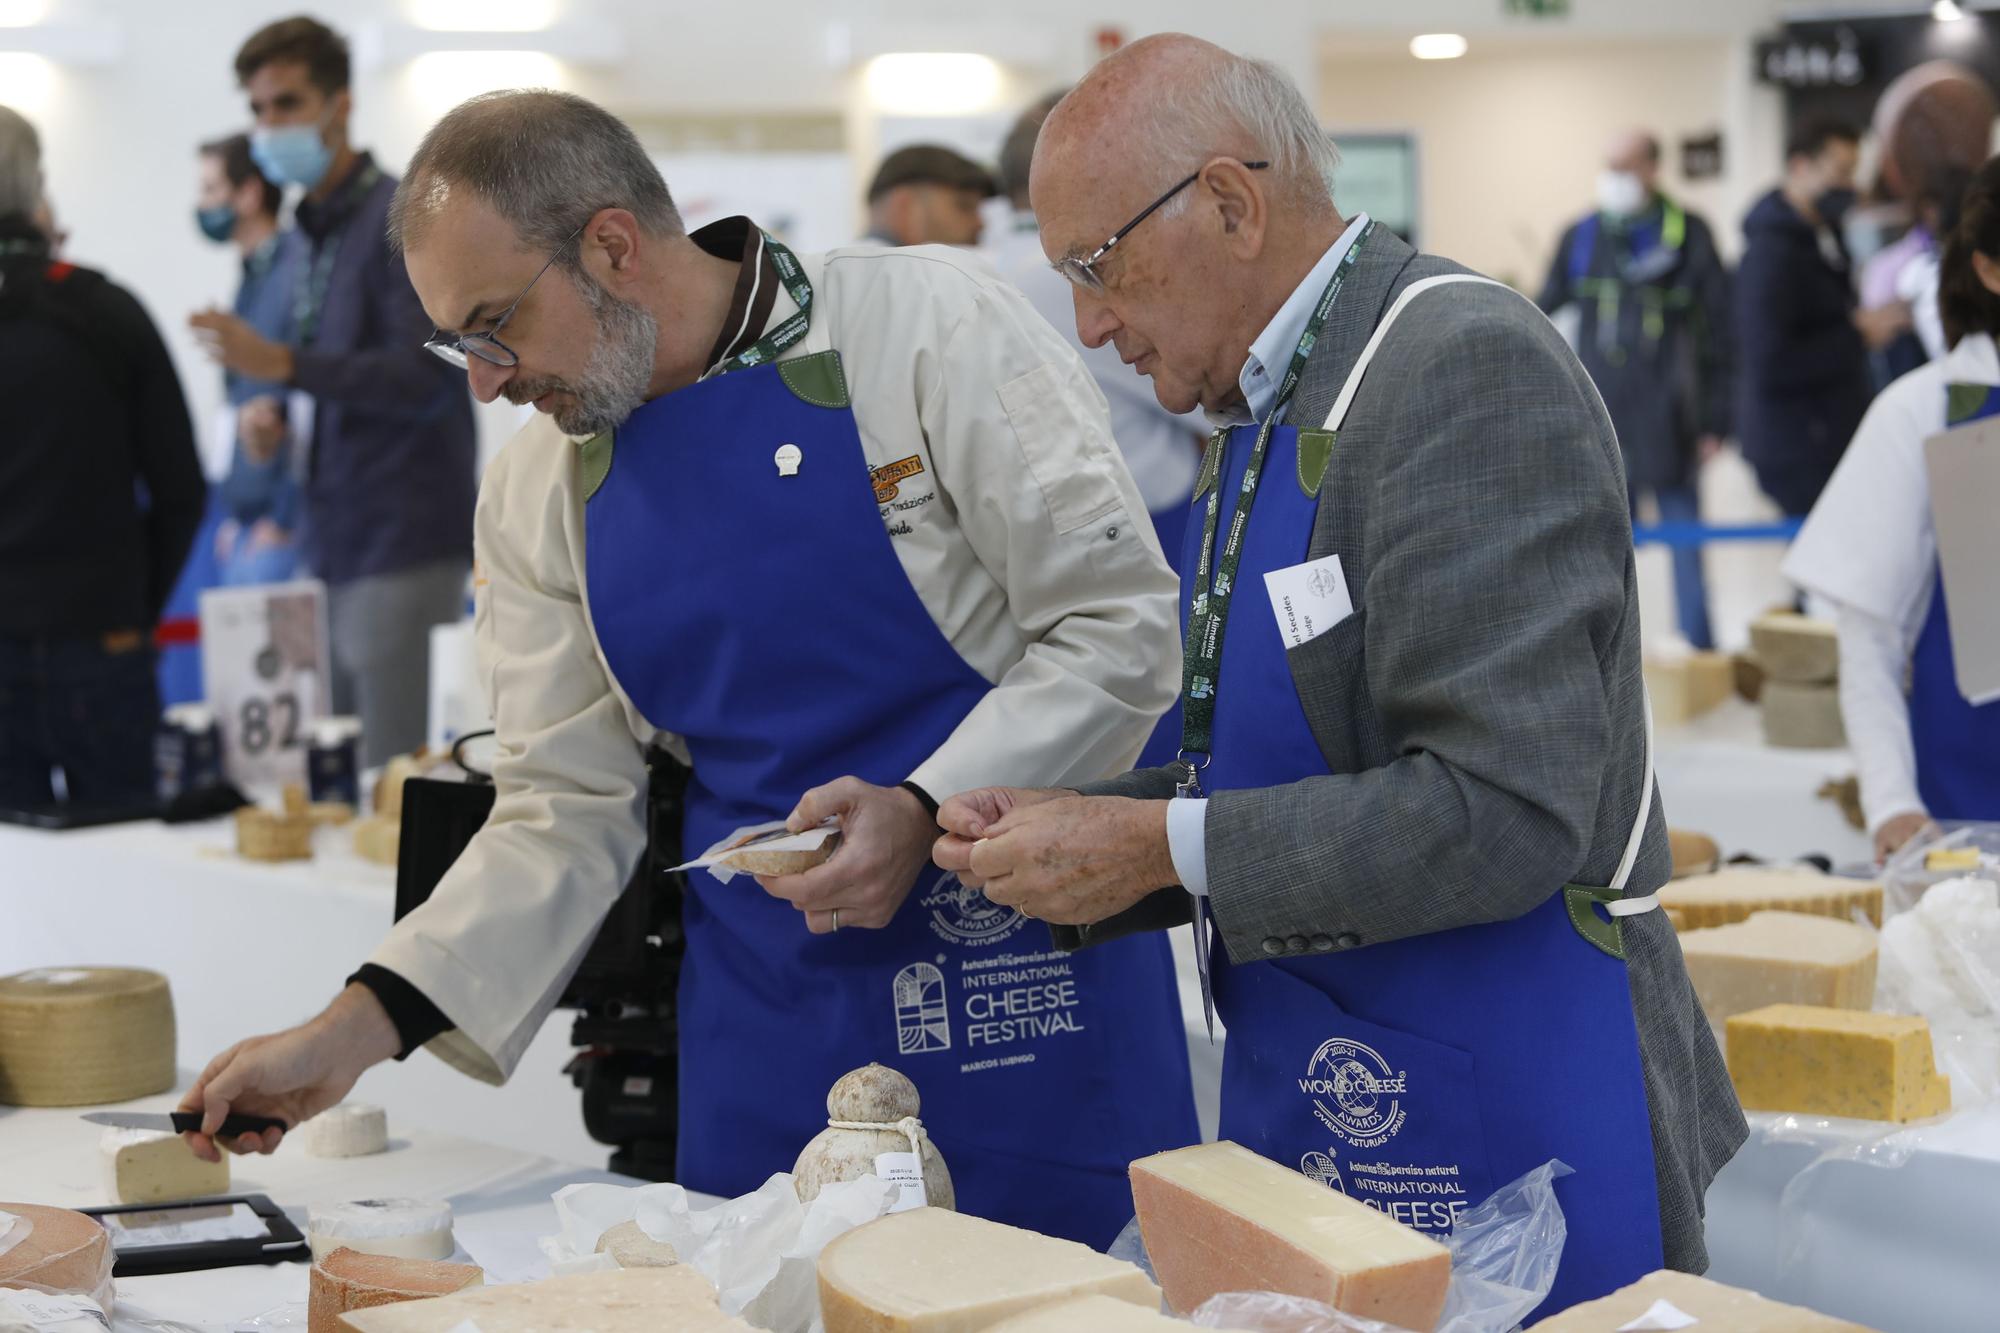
x: 903, y: 1170
x: 1308, y: 599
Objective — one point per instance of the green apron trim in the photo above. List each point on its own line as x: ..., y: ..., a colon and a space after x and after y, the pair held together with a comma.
x: 593, y: 462
x: 1581, y: 903
x: 1315, y: 452
x: 1962, y: 402
x: 816, y: 379
x: 1211, y: 463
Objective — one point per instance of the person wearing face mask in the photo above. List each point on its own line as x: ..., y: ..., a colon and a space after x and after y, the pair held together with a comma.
x: 1651, y: 298
x: 256, y: 541
x: 850, y: 532
x: 1803, y: 372
x: 389, y: 447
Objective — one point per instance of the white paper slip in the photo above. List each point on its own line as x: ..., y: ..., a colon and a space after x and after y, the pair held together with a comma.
x: 1308, y: 599
x: 1664, y: 1315
x: 906, y: 1173
x: 768, y: 838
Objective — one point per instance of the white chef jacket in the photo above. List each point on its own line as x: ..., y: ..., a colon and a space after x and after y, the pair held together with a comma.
x: 1162, y: 448
x: 1023, y: 535
x: 1869, y: 547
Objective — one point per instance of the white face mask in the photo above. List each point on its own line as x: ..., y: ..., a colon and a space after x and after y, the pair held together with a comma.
x: 1620, y: 193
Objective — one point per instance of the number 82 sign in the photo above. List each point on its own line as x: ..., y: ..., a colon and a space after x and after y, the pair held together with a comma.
x: 266, y: 675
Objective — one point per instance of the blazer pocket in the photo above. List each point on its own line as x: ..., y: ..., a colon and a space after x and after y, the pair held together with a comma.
x: 1330, y: 674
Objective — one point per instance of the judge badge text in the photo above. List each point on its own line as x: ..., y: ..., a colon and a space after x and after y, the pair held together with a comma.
x: 1308, y: 599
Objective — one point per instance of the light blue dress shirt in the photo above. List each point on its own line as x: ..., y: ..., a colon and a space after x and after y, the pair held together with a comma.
x: 1270, y: 356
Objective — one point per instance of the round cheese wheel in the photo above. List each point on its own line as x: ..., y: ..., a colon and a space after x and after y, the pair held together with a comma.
x: 64, y: 1252
x: 399, y: 1228
x: 84, y: 1036
x: 349, y: 1280
x: 350, y: 1129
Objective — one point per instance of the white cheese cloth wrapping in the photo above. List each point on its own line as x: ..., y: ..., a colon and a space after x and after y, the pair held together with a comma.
x: 715, y: 859
x: 1942, y: 960
x: 761, y: 1250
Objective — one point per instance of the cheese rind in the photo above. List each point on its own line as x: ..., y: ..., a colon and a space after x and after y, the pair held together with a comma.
x: 1838, y: 1062
x: 1089, y: 1314
x: 84, y: 1036
x: 64, y: 1251
x: 150, y: 1166
x: 1734, y: 892
x: 348, y: 1280
x: 351, y: 1129
x: 1218, y: 1217
x: 1795, y: 649
x: 1780, y: 958
x: 930, y: 1270
x: 399, y: 1228
x: 618, y: 1300
x: 1715, y: 1306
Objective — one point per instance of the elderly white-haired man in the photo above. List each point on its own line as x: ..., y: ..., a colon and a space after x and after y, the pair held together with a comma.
x: 845, y: 529
x: 1415, y: 768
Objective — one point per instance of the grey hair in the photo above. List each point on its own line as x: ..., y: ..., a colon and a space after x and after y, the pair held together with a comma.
x: 1258, y: 101
x: 20, y: 164
x: 1017, y: 151
x: 545, y: 161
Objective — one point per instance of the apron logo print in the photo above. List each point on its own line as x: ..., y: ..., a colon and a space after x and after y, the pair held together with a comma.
x: 889, y: 477
x: 923, y: 1019
x: 1319, y: 1167
x: 961, y: 915
x: 1353, y: 1092
x: 788, y: 458
x: 1323, y: 582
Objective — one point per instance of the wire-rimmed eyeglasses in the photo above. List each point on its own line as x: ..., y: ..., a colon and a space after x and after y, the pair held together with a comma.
x: 1083, y: 272
x: 457, y: 347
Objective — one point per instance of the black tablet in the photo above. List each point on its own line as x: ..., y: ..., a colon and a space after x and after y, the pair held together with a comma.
x: 199, y: 1233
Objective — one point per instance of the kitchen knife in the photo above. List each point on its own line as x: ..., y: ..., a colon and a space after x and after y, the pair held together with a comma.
x: 185, y: 1122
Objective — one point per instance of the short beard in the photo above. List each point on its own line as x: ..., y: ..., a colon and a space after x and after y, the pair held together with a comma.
x: 613, y: 382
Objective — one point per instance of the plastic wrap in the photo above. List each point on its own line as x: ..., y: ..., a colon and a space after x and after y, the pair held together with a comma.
x: 761, y: 1250
x: 1909, y: 874
x: 1504, y: 1255
x: 96, y: 1285
x: 1941, y: 959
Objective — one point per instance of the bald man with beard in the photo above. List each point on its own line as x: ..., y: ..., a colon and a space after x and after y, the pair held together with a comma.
x: 1413, y: 819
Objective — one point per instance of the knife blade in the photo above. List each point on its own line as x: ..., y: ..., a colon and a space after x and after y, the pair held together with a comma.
x: 185, y: 1122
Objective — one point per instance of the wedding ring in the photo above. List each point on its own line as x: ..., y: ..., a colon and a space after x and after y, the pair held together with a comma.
x: 836, y: 918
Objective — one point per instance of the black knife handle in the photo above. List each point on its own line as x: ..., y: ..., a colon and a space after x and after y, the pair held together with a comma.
x: 233, y: 1124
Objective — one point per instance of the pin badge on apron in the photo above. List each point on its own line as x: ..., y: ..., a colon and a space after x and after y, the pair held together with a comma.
x: 788, y: 458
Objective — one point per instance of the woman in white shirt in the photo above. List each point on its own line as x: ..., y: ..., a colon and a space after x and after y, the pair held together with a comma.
x: 1869, y: 547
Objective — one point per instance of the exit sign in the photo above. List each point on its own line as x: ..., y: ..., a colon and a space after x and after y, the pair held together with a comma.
x: 1535, y: 9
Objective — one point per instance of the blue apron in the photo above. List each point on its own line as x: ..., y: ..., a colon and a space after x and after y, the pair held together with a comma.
x: 767, y: 620
x: 1955, y: 741
x: 1422, y: 1074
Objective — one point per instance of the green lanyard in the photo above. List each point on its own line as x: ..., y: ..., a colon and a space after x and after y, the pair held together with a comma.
x: 309, y: 300
x: 772, y: 344
x: 1208, y: 613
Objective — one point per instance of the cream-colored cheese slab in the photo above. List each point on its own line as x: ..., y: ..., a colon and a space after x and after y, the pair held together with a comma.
x: 148, y: 1166
x: 1780, y: 958
x: 1715, y: 1308
x: 617, y: 1300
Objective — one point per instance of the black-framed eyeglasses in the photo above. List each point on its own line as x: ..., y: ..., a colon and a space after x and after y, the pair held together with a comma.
x: 1083, y: 272
x: 458, y: 347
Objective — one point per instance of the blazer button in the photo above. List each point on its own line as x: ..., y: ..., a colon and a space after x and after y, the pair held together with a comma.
x: 1323, y: 944
x: 1273, y: 945
x: 1297, y: 944
x: 1349, y: 940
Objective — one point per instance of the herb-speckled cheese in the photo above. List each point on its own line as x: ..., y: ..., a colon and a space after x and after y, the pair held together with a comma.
x: 1842, y: 1062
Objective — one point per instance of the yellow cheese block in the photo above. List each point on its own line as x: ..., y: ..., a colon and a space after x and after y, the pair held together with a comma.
x: 1734, y: 892
x: 1711, y: 1304
x: 1777, y: 958
x: 1683, y: 688
x: 1952, y: 858
x: 1842, y: 1062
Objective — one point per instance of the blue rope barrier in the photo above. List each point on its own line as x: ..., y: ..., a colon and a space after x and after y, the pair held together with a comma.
x: 1701, y: 534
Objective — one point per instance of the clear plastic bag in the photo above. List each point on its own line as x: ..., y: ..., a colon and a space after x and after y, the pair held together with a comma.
x: 1504, y: 1255
x: 15, y: 1230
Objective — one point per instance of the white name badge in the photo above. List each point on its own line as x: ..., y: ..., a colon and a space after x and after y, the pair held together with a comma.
x: 1308, y: 599
x: 266, y: 675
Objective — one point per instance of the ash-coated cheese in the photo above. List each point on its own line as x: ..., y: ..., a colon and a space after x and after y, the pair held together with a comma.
x: 1217, y: 1217
x: 1780, y: 958
x: 1838, y: 1062
x: 930, y: 1270
x: 347, y: 1280
x: 350, y: 1129
x: 1714, y: 1307
x: 618, y: 1300
x: 1734, y: 892
x: 399, y: 1228
x: 150, y: 1166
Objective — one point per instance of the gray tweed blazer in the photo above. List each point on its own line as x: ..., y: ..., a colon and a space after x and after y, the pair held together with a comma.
x: 1482, y: 706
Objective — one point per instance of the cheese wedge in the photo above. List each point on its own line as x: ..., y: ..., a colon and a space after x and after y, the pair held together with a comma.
x: 348, y: 1280
x: 1842, y: 1062
x: 1089, y: 1314
x: 930, y: 1270
x: 1734, y: 892
x: 150, y: 1166
x: 1780, y: 958
x: 1711, y: 1304
x: 1218, y: 1217
x: 618, y: 1300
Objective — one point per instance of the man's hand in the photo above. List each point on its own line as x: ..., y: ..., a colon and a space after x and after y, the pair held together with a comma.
x: 260, y: 429
x: 237, y: 346
x: 266, y: 535
x: 1897, y: 832
x: 1075, y: 860
x: 1879, y: 327
x: 291, y: 1075
x: 966, y: 817
x: 885, y: 836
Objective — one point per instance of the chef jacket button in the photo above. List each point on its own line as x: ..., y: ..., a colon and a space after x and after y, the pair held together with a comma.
x: 1297, y: 944
x: 1112, y: 532
x: 1273, y: 945
x: 1323, y: 944
x: 1349, y: 940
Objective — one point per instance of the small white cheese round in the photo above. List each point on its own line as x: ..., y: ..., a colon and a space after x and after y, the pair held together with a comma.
x: 350, y: 1129
x: 399, y: 1228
